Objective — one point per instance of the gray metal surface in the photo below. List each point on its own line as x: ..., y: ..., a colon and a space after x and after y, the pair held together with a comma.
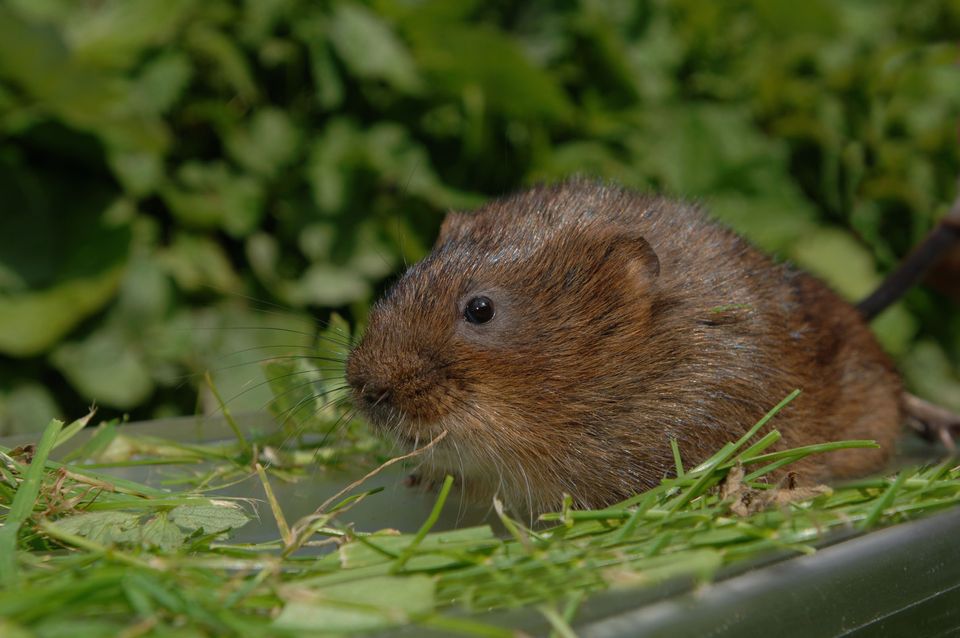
x: 900, y: 581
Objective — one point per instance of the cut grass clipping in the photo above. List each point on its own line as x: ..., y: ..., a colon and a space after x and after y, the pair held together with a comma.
x: 86, y: 554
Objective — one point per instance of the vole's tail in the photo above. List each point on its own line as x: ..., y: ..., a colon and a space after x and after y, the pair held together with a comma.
x: 925, y: 255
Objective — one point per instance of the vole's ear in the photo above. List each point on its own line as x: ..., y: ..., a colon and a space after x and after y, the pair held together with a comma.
x: 450, y: 226
x: 639, y: 255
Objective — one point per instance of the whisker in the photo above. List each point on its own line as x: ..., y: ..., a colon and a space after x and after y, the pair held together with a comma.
x: 405, y: 189
x: 184, y: 378
x: 279, y: 358
x: 526, y: 480
x: 463, y: 481
x: 309, y: 335
x: 289, y: 412
x: 292, y: 410
x: 301, y: 385
x: 281, y: 310
x: 240, y: 295
x: 346, y: 417
x: 332, y: 403
x: 262, y: 383
x: 288, y: 345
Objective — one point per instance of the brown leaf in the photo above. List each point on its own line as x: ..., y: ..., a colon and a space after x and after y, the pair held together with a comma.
x: 746, y: 500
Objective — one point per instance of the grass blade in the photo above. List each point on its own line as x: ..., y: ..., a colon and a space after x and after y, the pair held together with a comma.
x: 23, y: 504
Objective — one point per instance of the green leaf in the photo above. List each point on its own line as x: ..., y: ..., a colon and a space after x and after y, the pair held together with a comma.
x: 932, y: 375
x: 327, y: 285
x: 38, y: 60
x: 55, y: 627
x: 164, y: 530
x: 261, y: 19
x: 298, y: 391
x: 9, y: 629
x: 230, y: 341
x: 106, y: 528
x: 333, y: 154
x: 210, y: 195
x: 792, y: 19
x: 114, y: 363
x: 583, y: 157
x: 404, y: 163
x: 160, y: 532
x: 145, y: 293
x: 702, y: 148
x: 457, y: 58
x: 140, y: 172
x: 267, y: 144
x: 105, y: 368
x: 838, y: 259
x: 895, y: 329
x: 361, y: 605
x: 373, y: 257
x: 100, y: 439
x: 834, y: 256
x: 218, y: 516
x: 26, y: 408
x: 329, y: 86
x: 32, y: 322
x: 771, y: 222
x: 163, y: 81
x: 263, y: 255
x: 370, y: 49
x: 196, y: 261
x: 115, y: 34
x: 333, y: 339
x: 436, y: 550
x: 227, y: 58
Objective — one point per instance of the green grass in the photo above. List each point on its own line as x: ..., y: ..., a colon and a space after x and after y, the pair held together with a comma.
x: 92, y: 555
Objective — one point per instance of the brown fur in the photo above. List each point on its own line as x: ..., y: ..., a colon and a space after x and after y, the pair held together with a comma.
x: 622, y: 321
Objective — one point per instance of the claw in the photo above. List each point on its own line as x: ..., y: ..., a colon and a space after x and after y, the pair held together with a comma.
x: 946, y: 437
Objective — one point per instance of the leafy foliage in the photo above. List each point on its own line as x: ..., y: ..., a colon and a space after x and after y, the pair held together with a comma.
x: 160, y: 160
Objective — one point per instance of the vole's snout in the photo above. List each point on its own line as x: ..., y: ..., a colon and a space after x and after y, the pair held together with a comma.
x: 368, y: 391
x: 401, y: 390
x: 372, y: 395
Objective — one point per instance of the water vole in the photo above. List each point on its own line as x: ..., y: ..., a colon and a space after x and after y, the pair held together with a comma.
x: 564, y: 335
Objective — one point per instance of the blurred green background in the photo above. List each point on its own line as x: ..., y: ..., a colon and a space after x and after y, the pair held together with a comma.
x: 185, y: 181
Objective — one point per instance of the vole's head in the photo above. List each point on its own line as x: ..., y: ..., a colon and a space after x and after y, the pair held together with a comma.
x: 515, y: 337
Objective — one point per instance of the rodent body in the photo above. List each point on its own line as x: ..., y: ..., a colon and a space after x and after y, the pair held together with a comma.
x: 617, y: 322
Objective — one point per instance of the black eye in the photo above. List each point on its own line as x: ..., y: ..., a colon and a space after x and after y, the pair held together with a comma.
x: 478, y: 310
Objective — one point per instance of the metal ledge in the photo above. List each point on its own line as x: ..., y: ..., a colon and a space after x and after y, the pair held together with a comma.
x: 904, y: 580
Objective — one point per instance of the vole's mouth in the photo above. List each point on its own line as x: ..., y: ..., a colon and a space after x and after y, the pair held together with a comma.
x: 383, y: 418
x: 394, y: 424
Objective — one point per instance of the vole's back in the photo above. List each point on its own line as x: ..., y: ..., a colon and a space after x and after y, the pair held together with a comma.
x: 732, y: 332
x: 740, y: 332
